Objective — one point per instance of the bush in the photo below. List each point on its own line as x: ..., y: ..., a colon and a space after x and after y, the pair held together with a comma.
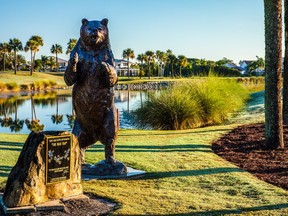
x: 52, y: 83
x: 192, y: 104
x: 24, y: 87
x: 2, y: 87
x: 12, y: 86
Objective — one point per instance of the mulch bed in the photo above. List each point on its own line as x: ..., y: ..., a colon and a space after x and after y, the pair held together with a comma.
x: 78, y: 207
x: 245, y: 147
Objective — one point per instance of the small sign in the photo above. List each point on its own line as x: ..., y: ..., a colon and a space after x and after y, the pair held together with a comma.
x: 58, y: 158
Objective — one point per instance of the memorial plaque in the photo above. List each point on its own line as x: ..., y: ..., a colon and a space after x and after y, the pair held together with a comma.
x: 58, y: 158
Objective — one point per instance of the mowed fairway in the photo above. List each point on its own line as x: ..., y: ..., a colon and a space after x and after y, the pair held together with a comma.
x: 184, y: 176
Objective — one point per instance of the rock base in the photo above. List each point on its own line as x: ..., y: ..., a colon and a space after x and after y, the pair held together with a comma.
x: 27, y: 182
x: 104, y: 169
x: 88, y: 173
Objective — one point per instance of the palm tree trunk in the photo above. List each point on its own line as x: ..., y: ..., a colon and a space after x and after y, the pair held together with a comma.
x: 56, y: 62
x: 15, y: 62
x: 149, y: 70
x: 31, y: 69
x: 285, y: 75
x: 4, y: 61
x: 273, y: 58
x: 128, y: 69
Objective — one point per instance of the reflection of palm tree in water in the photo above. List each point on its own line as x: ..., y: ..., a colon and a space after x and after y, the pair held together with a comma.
x: 57, y: 119
x: 17, y: 124
x: 34, y: 124
x: 7, y: 120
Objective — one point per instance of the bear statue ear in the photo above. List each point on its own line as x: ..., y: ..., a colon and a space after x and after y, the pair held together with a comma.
x: 104, y: 22
x: 84, y: 21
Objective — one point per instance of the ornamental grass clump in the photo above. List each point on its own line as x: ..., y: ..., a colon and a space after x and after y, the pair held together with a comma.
x: 192, y: 104
x: 219, y: 98
x: 172, y: 109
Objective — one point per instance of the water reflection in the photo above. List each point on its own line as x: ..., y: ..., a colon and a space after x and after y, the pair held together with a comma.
x: 53, y: 111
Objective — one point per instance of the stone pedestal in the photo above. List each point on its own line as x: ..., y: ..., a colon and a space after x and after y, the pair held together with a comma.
x: 48, y: 168
x: 104, y: 169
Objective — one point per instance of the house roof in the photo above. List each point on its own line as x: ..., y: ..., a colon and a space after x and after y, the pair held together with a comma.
x: 246, y: 61
x: 120, y: 60
x: 60, y: 59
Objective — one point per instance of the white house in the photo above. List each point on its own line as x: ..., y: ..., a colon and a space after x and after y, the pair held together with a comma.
x: 122, y: 68
x: 62, y: 62
x: 244, y: 65
x: 234, y: 66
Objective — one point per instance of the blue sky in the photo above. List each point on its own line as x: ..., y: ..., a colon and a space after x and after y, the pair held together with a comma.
x: 209, y: 29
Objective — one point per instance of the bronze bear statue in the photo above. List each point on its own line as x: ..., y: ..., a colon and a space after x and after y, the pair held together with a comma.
x: 91, y: 69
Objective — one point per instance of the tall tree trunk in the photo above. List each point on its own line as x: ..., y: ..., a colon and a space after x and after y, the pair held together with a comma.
x: 285, y: 77
x: 56, y: 62
x: 33, y: 64
x: 273, y: 58
x: 149, y: 70
x: 31, y: 69
x: 128, y: 69
x: 15, y: 62
x: 4, y: 55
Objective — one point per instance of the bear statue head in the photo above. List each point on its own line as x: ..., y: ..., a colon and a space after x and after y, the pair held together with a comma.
x: 94, y: 34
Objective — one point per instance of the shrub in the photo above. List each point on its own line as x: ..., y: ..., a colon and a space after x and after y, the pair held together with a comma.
x: 24, y: 87
x: 12, y: 86
x: 192, y: 104
x: 2, y: 87
x: 52, y: 83
x: 173, y: 109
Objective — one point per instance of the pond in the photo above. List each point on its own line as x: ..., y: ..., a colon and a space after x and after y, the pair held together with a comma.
x: 53, y: 110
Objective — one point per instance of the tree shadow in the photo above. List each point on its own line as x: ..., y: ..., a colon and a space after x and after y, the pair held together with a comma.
x: 182, y: 173
x: 5, y: 170
x: 227, y: 211
x: 175, y: 132
x: 240, y: 211
x: 152, y: 148
x: 3, y: 143
x: 11, y: 146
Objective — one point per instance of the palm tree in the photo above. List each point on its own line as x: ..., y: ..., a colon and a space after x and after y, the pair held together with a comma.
x: 150, y: 58
x: 70, y: 45
x: 183, y: 62
x: 171, y: 58
x: 44, y: 61
x: 273, y: 69
x: 34, y: 124
x: 141, y: 58
x: 128, y: 54
x: 16, y: 124
x: 33, y: 45
x: 57, y: 119
x: 56, y: 49
x: 4, y: 49
x: 285, y: 75
x: 51, y: 62
x: 15, y: 45
x: 161, y: 58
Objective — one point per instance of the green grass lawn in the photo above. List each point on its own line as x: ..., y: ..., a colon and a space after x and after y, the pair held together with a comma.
x: 184, y: 176
x: 23, y: 77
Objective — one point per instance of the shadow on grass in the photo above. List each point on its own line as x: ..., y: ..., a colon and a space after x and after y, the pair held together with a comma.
x: 175, y: 132
x: 5, y: 170
x: 228, y: 211
x: 160, y: 175
x: 148, y: 148
x: 16, y: 144
x: 10, y: 146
